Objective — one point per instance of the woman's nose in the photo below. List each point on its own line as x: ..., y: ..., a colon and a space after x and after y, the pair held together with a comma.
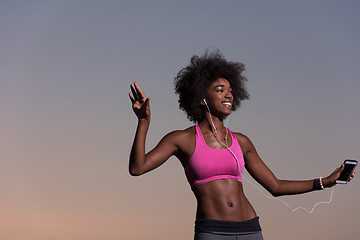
x: 228, y: 95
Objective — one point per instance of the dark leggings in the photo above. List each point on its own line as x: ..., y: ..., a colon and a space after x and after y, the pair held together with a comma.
x: 207, y: 229
x: 221, y: 236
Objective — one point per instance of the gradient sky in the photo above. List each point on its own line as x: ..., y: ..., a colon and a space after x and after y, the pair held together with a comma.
x: 66, y: 124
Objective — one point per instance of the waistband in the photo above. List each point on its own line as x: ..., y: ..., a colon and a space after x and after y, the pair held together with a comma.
x: 210, y: 225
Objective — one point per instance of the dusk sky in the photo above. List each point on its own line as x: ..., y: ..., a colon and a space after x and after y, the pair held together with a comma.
x: 66, y: 123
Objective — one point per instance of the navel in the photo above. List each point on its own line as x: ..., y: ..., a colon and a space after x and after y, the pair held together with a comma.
x: 230, y: 204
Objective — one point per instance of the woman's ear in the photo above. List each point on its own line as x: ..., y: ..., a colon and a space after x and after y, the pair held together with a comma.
x: 203, y: 102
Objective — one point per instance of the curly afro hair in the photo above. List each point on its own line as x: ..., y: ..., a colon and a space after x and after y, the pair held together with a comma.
x: 193, y: 81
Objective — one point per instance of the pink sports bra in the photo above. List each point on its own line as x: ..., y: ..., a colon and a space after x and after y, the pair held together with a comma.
x: 208, y: 164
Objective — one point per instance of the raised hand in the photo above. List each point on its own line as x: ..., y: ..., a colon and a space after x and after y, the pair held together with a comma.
x: 140, y: 103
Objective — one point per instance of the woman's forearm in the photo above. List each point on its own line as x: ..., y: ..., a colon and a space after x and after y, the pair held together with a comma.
x: 137, y: 154
x: 285, y: 187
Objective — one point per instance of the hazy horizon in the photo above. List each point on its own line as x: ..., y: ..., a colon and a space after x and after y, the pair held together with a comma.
x: 67, y: 126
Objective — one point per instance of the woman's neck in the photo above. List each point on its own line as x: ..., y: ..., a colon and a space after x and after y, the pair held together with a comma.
x: 212, y: 123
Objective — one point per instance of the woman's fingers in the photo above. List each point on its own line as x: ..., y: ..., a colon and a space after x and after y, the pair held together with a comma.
x: 137, y: 94
x: 352, y: 176
x: 131, y: 98
x: 134, y: 93
x: 139, y: 91
x: 140, y: 103
x: 341, y: 168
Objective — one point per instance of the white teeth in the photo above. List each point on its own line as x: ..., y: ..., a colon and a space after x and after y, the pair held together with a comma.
x: 227, y: 103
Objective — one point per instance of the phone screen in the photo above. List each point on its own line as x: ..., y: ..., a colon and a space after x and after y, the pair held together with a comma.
x: 345, y: 174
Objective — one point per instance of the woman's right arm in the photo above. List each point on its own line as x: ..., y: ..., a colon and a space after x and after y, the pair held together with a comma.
x: 139, y: 162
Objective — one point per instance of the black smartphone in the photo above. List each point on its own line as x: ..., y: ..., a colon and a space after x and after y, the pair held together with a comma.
x: 349, y: 166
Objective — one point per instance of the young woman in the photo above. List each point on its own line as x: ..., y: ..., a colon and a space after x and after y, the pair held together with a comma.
x: 213, y: 157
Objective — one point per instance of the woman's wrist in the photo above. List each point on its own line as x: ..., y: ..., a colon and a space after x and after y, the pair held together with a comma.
x: 322, y: 183
x: 318, y: 184
x: 327, y: 183
x: 144, y: 121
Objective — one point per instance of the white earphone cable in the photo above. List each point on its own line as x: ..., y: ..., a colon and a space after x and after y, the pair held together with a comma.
x: 225, y: 145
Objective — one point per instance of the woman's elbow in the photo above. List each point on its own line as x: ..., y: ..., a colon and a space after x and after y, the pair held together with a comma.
x: 275, y: 189
x: 135, y: 172
x: 275, y: 193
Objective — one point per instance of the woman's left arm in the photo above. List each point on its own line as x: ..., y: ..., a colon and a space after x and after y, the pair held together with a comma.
x: 263, y: 175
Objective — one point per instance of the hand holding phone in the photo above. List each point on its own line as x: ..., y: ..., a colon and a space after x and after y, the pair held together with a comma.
x: 349, y: 166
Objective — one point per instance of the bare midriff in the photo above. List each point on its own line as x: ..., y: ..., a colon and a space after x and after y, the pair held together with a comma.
x: 223, y: 199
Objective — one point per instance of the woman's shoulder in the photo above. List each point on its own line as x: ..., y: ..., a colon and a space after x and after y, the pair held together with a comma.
x: 243, y: 140
x: 181, y: 135
x: 184, y: 140
x: 241, y: 136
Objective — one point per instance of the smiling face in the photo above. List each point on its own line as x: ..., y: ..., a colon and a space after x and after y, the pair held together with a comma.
x: 219, y: 98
